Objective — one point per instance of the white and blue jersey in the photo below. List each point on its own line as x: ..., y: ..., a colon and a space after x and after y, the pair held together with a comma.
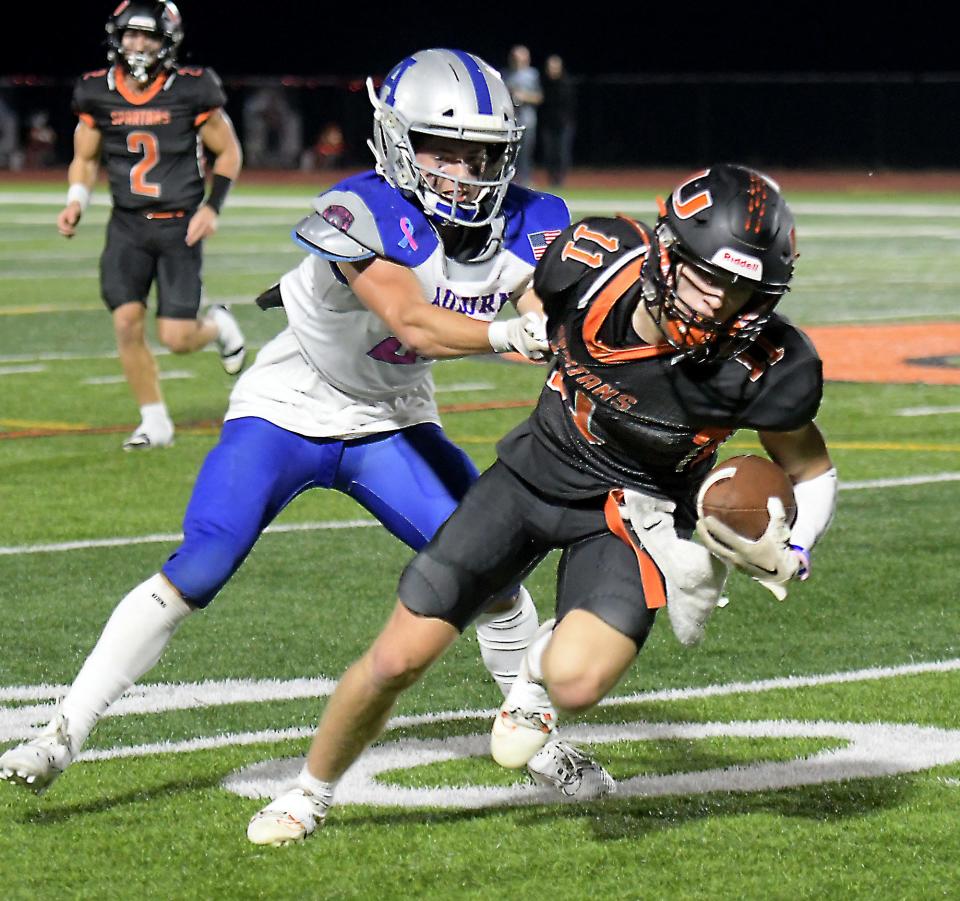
x: 337, y: 371
x: 334, y: 401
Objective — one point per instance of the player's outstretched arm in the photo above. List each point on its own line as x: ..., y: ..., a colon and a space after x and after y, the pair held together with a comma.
x: 220, y: 139
x: 395, y: 295
x: 81, y: 176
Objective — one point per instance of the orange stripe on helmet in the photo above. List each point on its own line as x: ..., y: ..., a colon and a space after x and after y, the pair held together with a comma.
x: 756, y: 205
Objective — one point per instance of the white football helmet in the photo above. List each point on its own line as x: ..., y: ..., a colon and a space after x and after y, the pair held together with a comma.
x: 449, y: 94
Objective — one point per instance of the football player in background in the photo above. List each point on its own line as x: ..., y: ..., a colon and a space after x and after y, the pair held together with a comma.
x: 665, y: 342
x: 407, y: 264
x: 146, y: 119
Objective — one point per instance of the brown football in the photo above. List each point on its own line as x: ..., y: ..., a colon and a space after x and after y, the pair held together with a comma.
x: 739, y: 500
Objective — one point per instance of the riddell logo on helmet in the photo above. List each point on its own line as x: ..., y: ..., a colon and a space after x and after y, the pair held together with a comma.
x: 738, y: 263
x: 142, y: 23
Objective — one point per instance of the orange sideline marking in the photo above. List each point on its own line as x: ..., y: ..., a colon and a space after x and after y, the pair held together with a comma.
x: 880, y: 353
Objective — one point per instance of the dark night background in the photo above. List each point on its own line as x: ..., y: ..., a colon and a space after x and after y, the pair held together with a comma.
x: 657, y: 84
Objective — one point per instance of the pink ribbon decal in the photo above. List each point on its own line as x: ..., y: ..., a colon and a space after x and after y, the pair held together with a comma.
x: 406, y: 226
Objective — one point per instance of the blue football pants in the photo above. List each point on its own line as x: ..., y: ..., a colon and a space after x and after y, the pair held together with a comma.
x: 410, y: 480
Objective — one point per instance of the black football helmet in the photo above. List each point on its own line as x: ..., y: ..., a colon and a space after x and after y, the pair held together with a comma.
x: 731, y: 222
x: 161, y: 19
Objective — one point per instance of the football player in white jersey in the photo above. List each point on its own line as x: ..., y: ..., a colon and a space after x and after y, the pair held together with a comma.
x: 408, y: 263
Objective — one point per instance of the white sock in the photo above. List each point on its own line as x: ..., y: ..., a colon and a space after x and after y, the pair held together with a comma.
x: 504, y: 637
x: 322, y: 791
x: 535, y: 655
x: 155, y: 416
x: 131, y: 643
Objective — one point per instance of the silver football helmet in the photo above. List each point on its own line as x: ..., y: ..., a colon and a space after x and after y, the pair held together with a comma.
x: 447, y: 94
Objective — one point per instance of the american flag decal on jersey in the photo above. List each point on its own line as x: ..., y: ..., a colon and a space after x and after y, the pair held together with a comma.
x: 540, y: 241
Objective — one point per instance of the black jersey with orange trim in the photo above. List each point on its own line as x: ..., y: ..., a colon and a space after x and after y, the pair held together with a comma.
x: 617, y: 412
x: 150, y: 140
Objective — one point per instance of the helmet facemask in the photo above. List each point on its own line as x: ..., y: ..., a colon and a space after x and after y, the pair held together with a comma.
x: 699, y: 337
x: 471, y: 199
x: 142, y: 64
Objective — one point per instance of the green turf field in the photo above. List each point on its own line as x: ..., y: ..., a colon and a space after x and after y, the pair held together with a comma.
x: 806, y: 749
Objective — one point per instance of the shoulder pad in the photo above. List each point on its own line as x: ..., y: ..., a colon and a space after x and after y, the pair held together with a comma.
x: 324, y: 233
x: 533, y: 221
x: 789, y: 374
x: 585, y: 251
x: 363, y: 216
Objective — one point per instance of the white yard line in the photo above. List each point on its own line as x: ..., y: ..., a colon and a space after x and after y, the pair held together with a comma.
x: 903, y: 481
x: 16, y: 722
x: 169, y: 537
x: 239, y: 201
x: 20, y: 370
x: 171, y: 374
x: 927, y: 411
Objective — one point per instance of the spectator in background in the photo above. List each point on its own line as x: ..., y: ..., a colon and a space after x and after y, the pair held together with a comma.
x: 41, y: 142
x: 524, y: 84
x: 557, y: 120
x: 272, y: 130
x: 11, y: 156
x: 327, y: 151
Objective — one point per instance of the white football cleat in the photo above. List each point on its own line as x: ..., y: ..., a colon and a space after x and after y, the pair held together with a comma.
x: 230, y: 340
x: 37, y: 763
x: 144, y: 438
x: 289, y: 818
x: 526, y: 719
x: 567, y: 769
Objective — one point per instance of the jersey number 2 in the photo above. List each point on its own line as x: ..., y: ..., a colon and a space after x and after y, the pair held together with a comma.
x: 144, y: 142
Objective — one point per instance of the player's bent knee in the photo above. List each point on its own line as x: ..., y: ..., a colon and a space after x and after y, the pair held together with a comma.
x: 395, y: 668
x: 574, y: 694
x: 177, y: 343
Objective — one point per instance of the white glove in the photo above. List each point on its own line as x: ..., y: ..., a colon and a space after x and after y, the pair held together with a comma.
x: 770, y: 559
x: 694, y: 577
x: 525, y: 334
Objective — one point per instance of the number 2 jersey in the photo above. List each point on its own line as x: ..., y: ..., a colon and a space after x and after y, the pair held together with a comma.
x: 617, y: 412
x: 150, y: 140
x: 337, y: 371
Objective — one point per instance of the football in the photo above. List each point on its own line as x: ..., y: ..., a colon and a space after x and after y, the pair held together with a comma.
x: 737, y: 491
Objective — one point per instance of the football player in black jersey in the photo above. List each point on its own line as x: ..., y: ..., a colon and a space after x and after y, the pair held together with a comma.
x: 665, y: 342
x: 146, y: 119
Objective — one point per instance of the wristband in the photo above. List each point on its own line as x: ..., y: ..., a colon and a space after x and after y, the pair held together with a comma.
x: 803, y: 573
x: 218, y: 192
x: 79, y: 193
